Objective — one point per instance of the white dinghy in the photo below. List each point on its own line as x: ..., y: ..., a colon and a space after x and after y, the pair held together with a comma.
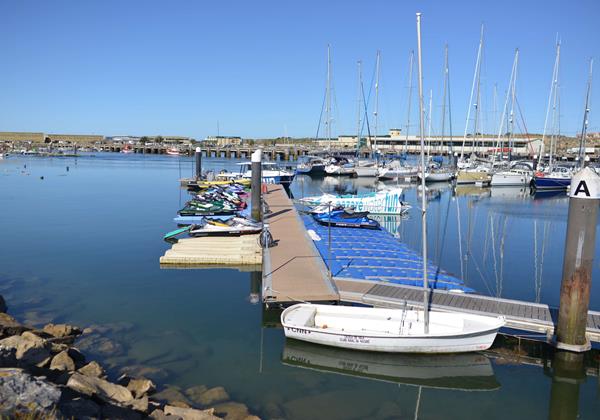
x: 389, y: 330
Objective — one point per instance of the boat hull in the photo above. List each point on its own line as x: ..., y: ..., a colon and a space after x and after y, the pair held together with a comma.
x: 473, y: 177
x: 550, y: 183
x: 366, y: 171
x: 510, y: 180
x: 330, y: 332
x: 313, y: 170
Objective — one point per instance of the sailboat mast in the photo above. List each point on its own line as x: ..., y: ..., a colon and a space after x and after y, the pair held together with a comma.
x: 423, y: 198
x: 512, y: 105
x: 375, y: 114
x: 478, y: 97
x: 359, y: 108
x: 475, y: 82
x: 328, y: 98
x: 501, y: 132
x: 410, y: 79
x: 553, y: 85
x: 586, y: 113
x: 444, y: 96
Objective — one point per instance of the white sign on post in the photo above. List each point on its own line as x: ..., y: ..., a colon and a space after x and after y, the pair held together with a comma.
x: 585, y: 184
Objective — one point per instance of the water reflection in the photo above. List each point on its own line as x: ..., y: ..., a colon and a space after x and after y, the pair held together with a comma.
x: 467, y: 372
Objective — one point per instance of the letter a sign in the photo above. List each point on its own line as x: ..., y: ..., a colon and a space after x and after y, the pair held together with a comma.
x: 585, y: 184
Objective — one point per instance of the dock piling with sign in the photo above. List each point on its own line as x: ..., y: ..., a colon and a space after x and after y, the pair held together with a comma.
x: 198, y: 157
x: 584, y: 198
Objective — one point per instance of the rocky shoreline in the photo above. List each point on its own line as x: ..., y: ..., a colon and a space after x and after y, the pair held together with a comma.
x: 43, y: 374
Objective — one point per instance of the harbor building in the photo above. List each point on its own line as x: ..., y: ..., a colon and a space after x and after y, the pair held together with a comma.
x: 224, y: 140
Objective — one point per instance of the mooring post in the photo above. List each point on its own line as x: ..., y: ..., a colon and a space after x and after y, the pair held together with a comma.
x: 256, y: 186
x: 568, y: 373
x: 198, y: 156
x: 584, y: 198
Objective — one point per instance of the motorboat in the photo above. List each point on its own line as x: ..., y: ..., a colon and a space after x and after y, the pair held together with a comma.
x: 233, y: 226
x: 173, y: 151
x: 366, y: 169
x: 339, y: 166
x: 389, y: 330
x: 473, y: 176
x: 271, y: 173
x: 395, y: 170
x: 310, y: 165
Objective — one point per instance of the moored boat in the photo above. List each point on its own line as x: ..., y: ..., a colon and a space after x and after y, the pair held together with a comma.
x: 389, y: 330
x: 512, y: 177
x: 310, y: 165
x: 346, y: 218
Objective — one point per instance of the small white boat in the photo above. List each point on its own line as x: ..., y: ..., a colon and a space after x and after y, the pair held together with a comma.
x: 512, y: 177
x: 340, y: 170
x: 173, y: 151
x: 389, y: 330
x: 366, y: 169
x: 473, y: 176
x: 271, y: 173
x: 395, y: 170
x: 388, y: 201
x: 438, y: 176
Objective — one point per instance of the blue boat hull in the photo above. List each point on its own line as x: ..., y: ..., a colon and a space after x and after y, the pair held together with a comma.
x: 313, y: 170
x: 549, y: 183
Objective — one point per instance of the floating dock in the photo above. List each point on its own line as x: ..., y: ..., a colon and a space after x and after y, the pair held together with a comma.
x: 521, y: 315
x: 225, y: 250
x: 293, y: 269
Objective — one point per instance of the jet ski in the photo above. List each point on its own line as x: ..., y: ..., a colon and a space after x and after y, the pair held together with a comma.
x: 347, y: 218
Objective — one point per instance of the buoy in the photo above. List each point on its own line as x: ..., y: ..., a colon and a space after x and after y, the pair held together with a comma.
x: 41, y: 177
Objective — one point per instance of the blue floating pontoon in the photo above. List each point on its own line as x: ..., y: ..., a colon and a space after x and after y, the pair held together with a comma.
x: 378, y: 256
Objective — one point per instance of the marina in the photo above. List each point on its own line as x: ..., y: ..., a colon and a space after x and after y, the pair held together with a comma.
x: 240, y: 217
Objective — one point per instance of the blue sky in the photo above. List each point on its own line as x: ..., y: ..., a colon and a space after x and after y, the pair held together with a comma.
x: 177, y: 67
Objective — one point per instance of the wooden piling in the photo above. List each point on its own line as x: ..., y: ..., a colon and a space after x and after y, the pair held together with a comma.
x: 256, y: 184
x: 577, y: 263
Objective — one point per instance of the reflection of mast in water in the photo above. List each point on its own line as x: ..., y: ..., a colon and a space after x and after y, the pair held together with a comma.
x: 498, y: 272
x: 539, y: 265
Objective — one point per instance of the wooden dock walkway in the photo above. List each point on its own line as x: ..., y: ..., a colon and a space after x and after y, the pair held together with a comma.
x: 520, y: 315
x: 226, y: 250
x: 293, y: 269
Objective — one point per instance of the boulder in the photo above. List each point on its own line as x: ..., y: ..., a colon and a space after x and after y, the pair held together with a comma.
x: 100, y: 388
x: 30, y: 349
x: 190, y: 413
x: 99, y: 345
x: 140, y: 404
x: 193, y: 393
x: 140, y: 387
x: 213, y: 396
x: 159, y: 414
x: 251, y: 417
x: 2, y: 304
x: 231, y: 410
x: 62, y: 361
x: 79, y: 408
x: 7, y: 357
x: 140, y: 371
x: 110, y: 411
x: 9, y: 326
x: 171, y: 395
x: 61, y: 330
x: 21, y: 391
x: 77, y: 356
x: 92, y: 369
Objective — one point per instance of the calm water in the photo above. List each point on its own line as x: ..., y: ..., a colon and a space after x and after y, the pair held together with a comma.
x: 82, y: 246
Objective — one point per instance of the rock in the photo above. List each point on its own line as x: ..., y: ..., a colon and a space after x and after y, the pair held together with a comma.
x: 61, y: 330
x: 110, y: 411
x: 2, y: 304
x: 19, y: 390
x: 194, y: 392
x: 8, y: 357
x: 140, y: 404
x: 190, y: 413
x: 171, y: 395
x: 9, y: 326
x: 57, y: 347
x: 213, y: 396
x: 231, y: 410
x: 100, y: 388
x: 251, y: 417
x: 77, y: 356
x: 139, y: 371
x: 79, y: 408
x: 30, y: 349
x: 142, y: 386
x: 92, y: 369
x: 62, y: 361
x: 181, y: 404
x: 158, y: 414
x: 102, y: 346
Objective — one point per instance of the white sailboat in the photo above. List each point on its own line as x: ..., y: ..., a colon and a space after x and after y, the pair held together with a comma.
x: 394, y: 330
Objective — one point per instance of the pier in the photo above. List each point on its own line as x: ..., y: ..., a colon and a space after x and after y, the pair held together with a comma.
x: 293, y: 269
